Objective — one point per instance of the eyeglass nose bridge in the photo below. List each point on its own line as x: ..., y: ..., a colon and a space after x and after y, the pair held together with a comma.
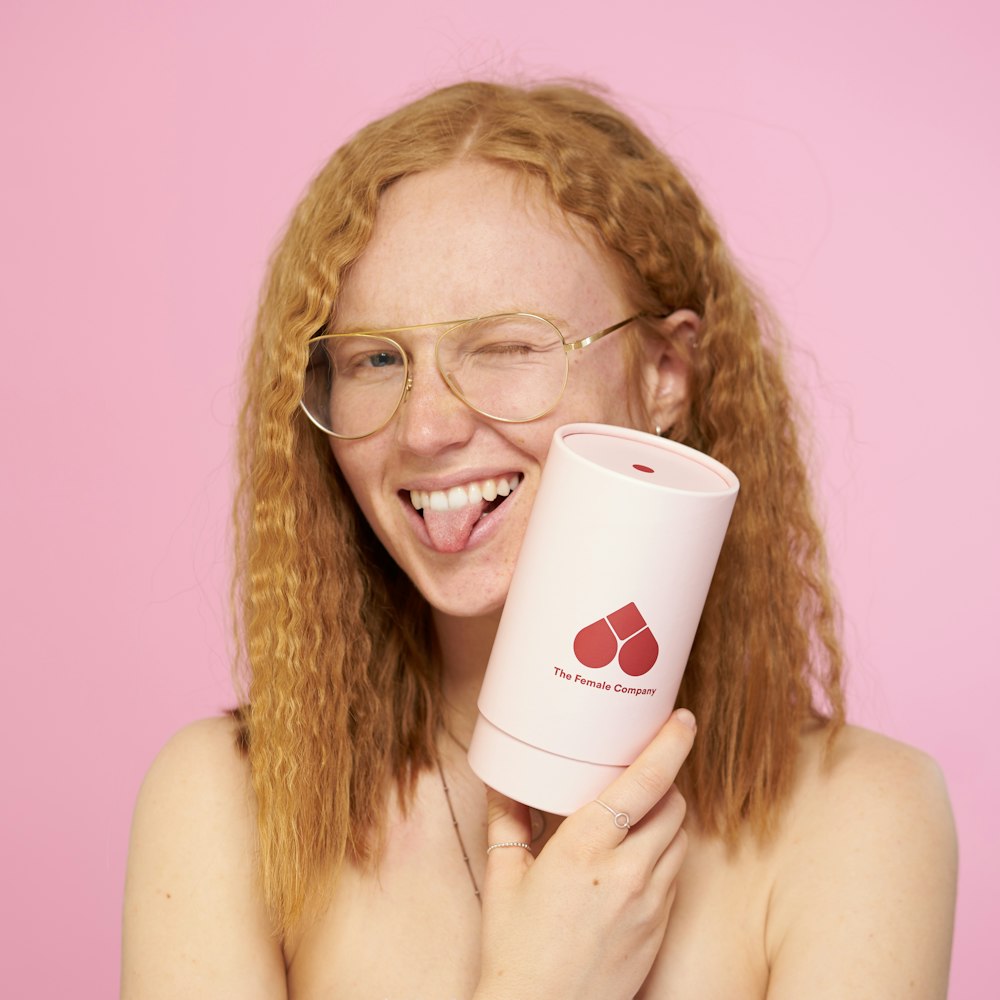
x: 445, y: 377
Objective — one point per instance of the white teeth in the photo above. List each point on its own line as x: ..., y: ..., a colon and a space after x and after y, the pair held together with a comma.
x: 461, y: 496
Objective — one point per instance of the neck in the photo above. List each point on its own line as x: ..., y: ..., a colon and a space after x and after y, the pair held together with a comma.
x: 465, y: 645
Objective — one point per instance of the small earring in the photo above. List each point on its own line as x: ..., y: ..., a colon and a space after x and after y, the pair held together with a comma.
x: 659, y: 430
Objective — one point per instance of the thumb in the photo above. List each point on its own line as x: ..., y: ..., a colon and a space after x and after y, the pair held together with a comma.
x: 508, y: 823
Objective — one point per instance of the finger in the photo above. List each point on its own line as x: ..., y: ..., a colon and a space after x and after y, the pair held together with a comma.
x: 635, y: 792
x: 508, y: 824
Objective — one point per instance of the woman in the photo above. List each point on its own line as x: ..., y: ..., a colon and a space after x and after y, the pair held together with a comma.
x: 342, y: 852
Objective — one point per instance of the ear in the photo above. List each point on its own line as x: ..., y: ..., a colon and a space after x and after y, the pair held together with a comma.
x: 666, y: 366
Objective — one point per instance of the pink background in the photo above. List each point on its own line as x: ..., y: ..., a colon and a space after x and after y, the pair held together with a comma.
x: 151, y: 154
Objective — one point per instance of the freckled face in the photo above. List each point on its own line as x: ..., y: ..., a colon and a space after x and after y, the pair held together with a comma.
x: 466, y: 240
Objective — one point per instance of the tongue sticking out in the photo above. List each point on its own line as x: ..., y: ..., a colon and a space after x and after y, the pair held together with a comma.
x: 450, y: 529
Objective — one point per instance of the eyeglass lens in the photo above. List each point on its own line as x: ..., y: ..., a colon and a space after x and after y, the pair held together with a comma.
x: 507, y: 367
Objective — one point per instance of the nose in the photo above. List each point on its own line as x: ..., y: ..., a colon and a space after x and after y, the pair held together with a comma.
x: 431, y: 418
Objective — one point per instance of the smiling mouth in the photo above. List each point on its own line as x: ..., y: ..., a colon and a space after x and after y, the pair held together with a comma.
x: 493, y: 491
x: 450, y: 515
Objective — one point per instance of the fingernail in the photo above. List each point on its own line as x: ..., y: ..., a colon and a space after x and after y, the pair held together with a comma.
x: 685, y: 718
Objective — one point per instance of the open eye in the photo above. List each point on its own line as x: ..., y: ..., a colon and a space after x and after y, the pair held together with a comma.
x: 364, y: 357
x: 379, y: 359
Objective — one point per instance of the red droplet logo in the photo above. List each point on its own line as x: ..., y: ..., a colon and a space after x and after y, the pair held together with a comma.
x: 639, y: 654
x: 596, y: 645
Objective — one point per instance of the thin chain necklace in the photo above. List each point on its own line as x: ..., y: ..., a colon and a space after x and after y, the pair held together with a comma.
x: 458, y: 833
x: 537, y: 824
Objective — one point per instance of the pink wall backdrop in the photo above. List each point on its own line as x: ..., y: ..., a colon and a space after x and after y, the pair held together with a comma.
x: 151, y: 155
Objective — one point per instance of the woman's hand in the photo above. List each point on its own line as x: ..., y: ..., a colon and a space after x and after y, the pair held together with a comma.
x: 586, y: 918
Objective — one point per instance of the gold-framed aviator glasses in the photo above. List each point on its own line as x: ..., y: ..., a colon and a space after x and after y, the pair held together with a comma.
x: 511, y: 367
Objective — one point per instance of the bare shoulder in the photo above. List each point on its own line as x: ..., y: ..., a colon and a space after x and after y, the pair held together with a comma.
x: 886, y: 780
x: 194, y: 922
x: 865, y: 881
x: 202, y: 754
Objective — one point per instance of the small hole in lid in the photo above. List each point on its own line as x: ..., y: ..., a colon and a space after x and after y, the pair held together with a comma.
x: 642, y: 468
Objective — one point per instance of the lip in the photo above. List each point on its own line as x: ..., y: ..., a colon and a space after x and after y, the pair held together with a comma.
x: 484, y: 529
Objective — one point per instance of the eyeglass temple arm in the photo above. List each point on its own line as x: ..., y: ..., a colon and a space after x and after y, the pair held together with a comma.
x: 578, y: 345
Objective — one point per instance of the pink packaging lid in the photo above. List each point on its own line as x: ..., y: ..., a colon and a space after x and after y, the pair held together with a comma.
x: 647, y: 459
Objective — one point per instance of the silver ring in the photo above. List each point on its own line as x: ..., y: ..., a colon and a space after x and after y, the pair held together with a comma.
x: 509, y: 843
x: 621, y: 819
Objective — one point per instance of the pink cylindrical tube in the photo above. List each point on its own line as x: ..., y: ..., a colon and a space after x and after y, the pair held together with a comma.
x: 602, y: 610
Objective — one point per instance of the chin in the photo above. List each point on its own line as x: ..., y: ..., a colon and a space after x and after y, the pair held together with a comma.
x: 467, y: 603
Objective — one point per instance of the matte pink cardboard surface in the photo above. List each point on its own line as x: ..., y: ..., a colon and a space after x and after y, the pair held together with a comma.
x: 620, y: 549
x: 151, y: 155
